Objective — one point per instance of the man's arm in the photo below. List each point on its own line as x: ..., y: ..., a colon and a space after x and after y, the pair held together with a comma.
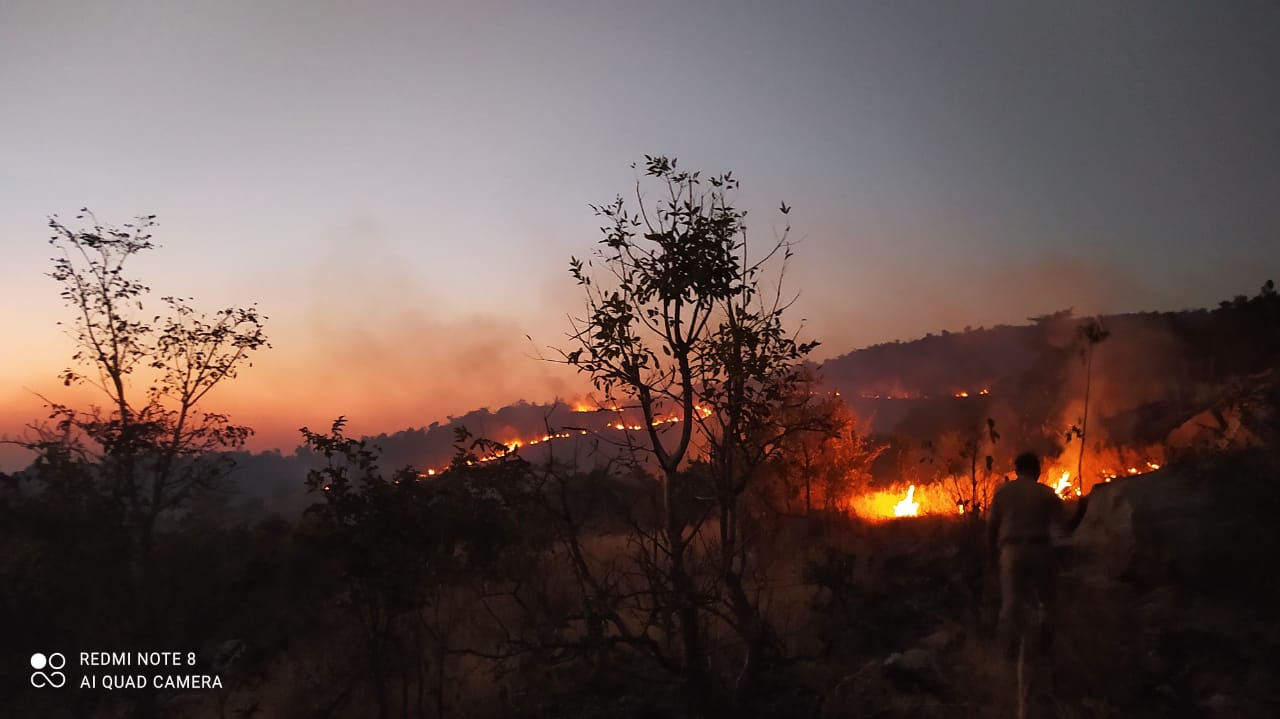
x: 1059, y: 527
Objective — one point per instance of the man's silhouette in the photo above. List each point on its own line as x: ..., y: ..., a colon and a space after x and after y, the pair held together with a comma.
x: 1025, y: 519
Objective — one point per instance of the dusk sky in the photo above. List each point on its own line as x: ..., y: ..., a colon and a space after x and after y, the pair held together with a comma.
x: 399, y: 186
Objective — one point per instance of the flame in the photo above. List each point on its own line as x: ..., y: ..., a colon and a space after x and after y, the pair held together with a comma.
x: 1063, y: 487
x: 961, y: 394
x: 984, y: 390
x: 907, y: 507
x: 1146, y: 466
x: 510, y: 446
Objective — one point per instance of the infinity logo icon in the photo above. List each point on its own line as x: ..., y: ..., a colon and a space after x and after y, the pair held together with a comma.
x: 55, y: 678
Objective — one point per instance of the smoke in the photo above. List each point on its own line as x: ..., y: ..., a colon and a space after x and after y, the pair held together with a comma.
x: 368, y: 334
x: 905, y: 297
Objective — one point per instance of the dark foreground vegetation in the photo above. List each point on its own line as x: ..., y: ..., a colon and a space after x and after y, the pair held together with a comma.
x: 463, y: 598
x: 707, y: 565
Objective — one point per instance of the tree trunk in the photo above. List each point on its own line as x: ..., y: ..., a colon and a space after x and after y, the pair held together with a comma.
x: 1084, y: 419
x: 697, y: 683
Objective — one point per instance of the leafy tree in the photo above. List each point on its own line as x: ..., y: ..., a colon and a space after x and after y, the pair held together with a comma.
x: 151, y: 447
x: 678, y: 325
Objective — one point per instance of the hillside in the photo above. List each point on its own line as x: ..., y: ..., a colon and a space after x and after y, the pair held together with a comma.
x: 1154, y: 373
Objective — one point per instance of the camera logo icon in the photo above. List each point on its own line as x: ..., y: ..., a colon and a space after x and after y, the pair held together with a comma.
x: 55, y: 677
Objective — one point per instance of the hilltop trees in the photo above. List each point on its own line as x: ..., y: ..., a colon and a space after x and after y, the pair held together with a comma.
x: 678, y: 325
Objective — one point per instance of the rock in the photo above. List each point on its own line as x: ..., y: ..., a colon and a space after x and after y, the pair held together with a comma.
x: 912, y: 669
x: 1156, y: 665
x: 912, y: 660
x: 226, y: 654
x: 1196, y: 521
x: 1219, y: 705
x: 877, y: 689
x: 1216, y: 429
x: 1159, y: 607
x: 943, y: 640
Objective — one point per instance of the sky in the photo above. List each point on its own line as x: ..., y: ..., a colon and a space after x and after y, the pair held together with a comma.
x: 399, y: 186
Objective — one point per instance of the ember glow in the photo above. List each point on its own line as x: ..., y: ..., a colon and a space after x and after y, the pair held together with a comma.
x: 513, y: 445
x: 897, y: 391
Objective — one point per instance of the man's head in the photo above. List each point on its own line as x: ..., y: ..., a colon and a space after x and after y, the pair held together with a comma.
x: 1027, y: 465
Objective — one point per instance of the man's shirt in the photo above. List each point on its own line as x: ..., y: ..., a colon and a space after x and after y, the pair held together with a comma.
x: 1025, y: 511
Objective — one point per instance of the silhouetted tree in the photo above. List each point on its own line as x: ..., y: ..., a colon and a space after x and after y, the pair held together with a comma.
x: 679, y: 325
x: 152, y: 446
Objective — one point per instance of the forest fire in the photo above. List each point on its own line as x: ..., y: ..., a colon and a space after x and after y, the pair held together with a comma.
x: 580, y: 408
x: 1136, y: 469
x: 1063, y: 488
x: 901, y: 502
x: 947, y: 497
x: 907, y: 507
x: 903, y: 394
x: 914, y: 495
x: 515, y: 444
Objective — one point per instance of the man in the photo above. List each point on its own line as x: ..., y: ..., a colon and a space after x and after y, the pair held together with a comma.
x: 1024, y: 522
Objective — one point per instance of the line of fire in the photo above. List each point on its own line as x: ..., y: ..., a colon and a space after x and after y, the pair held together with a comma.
x: 939, y: 494
x: 931, y: 427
